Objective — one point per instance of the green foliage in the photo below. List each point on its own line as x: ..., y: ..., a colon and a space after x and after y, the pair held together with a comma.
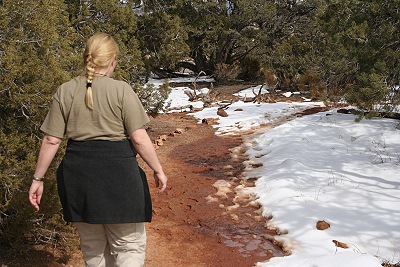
x: 338, y: 42
x: 41, y: 45
x: 365, y: 61
x: 370, y: 89
x: 109, y: 16
x: 152, y: 98
x: 309, y: 82
x: 163, y: 40
x: 35, y: 49
x: 227, y: 72
x: 250, y: 69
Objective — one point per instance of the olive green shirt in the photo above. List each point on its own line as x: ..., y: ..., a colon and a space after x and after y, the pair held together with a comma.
x: 117, y: 111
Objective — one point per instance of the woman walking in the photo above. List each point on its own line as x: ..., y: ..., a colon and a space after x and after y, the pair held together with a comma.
x: 102, y: 189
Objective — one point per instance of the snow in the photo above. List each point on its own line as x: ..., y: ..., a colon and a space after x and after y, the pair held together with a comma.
x: 323, y: 166
x: 179, y: 97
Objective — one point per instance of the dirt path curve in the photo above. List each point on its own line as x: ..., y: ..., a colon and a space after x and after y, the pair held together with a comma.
x: 206, y: 217
x: 199, y: 221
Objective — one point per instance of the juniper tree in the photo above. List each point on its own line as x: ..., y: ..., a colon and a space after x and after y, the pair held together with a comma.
x: 362, y: 50
x: 116, y: 18
x: 35, y: 57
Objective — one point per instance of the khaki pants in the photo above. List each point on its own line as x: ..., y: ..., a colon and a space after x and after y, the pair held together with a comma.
x: 112, y: 245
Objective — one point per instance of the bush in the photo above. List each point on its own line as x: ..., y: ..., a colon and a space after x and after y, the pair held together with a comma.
x: 20, y: 226
x: 152, y: 97
x: 310, y: 82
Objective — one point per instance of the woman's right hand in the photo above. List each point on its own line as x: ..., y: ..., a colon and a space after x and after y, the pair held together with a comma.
x: 35, y: 194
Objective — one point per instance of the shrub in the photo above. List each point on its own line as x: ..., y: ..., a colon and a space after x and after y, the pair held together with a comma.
x: 310, y: 82
x: 152, y: 97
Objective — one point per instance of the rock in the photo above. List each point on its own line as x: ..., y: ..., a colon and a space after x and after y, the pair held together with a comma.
x: 221, y: 112
x: 234, y: 217
x: 174, y: 134
x: 163, y: 137
x: 322, y: 225
x: 179, y: 131
x: 159, y: 142
x: 340, y: 244
x: 208, y: 121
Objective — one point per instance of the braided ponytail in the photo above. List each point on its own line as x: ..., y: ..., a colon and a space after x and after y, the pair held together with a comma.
x: 90, y: 72
x: 101, y: 49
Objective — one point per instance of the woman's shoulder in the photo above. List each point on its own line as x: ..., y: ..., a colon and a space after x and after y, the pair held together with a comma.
x: 69, y: 86
x: 122, y: 88
x: 73, y: 83
x: 75, y: 80
x: 118, y: 83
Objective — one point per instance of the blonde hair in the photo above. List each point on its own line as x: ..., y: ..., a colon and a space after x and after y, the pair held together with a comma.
x: 100, y: 51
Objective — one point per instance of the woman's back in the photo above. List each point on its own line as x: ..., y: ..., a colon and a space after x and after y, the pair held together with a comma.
x: 116, y: 111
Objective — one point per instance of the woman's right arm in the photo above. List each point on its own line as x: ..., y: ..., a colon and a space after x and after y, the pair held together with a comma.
x: 47, y: 152
x: 143, y: 145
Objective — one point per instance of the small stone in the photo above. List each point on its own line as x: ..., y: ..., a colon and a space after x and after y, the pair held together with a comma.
x: 235, y: 217
x: 179, y: 131
x: 340, y: 244
x: 207, y: 121
x: 221, y: 112
x: 163, y: 137
x: 322, y: 225
x: 159, y: 142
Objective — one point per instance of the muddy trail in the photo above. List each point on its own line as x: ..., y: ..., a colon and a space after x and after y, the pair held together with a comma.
x: 207, y: 217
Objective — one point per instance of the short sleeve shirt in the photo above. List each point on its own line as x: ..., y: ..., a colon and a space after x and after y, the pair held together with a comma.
x: 117, y: 111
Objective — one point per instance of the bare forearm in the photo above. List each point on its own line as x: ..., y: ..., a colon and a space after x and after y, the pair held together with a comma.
x: 145, y: 149
x: 47, y: 152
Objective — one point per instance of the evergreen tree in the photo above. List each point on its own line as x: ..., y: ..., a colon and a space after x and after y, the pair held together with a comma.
x: 163, y: 41
x: 116, y: 18
x: 362, y: 49
x: 198, y: 29
x: 287, y: 40
x: 34, y: 56
x: 222, y: 33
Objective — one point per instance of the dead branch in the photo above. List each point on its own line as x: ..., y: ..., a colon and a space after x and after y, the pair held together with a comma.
x: 195, y: 80
x: 258, y: 97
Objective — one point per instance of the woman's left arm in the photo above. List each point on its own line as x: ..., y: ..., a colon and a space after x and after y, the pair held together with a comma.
x: 48, y: 150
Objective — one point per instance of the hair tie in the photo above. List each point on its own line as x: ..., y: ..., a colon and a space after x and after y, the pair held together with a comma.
x: 88, y: 84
